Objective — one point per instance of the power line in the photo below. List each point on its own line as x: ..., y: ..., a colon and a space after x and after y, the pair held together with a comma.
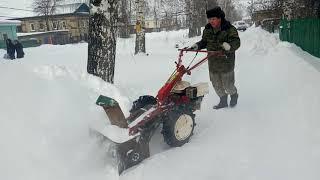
x: 4, y: 7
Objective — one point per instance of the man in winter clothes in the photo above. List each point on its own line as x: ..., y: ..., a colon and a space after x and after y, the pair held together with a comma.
x: 19, y: 49
x: 10, y: 49
x: 220, y: 35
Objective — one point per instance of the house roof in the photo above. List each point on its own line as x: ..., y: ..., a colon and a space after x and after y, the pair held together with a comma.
x: 4, y: 22
x: 80, y: 9
x: 72, y: 8
x: 38, y: 33
x: 24, y: 8
x: 57, y: 15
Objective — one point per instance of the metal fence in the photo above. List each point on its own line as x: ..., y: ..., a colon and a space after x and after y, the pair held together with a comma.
x: 303, y: 32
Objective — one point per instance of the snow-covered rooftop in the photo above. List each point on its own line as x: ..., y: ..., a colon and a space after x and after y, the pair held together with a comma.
x: 9, y: 22
x: 67, y: 8
x: 35, y: 33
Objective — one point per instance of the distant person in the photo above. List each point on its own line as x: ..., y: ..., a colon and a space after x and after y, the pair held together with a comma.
x: 220, y: 35
x: 10, y: 49
x: 19, y: 49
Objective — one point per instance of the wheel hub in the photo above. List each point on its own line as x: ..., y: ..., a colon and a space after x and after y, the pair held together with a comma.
x: 183, y: 127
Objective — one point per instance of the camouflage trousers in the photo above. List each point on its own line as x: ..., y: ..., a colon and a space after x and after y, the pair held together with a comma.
x: 223, y: 83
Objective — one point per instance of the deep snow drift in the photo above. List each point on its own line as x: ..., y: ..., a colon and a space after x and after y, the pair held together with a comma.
x: 48, y: 106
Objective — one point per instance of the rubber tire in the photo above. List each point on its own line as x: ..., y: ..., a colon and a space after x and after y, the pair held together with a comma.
x: 169, y: 126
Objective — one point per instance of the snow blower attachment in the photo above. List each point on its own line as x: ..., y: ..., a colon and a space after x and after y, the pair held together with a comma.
x: 173, y: 108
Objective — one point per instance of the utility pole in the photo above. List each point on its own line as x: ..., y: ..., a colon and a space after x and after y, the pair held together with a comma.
x: 140, y: 28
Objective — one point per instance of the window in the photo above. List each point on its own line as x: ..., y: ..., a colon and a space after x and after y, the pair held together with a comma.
x: 55, y: 25
x: 41, y: 26
x: 32, y: 27
x: 19, y: 28
x: 64, y: 26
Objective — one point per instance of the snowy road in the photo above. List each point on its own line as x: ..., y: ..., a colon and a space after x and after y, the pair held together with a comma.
x: 273, y: 133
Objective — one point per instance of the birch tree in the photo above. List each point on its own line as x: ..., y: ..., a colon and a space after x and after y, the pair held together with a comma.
x: 140, y: 31
x: 125, y: 14
x: 102, y: 38
x: 191, y: 18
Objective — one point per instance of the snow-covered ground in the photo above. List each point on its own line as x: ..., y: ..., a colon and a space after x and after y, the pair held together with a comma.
x: 48, y: 106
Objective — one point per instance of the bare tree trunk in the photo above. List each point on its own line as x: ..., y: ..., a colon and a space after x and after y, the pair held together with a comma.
x: 140, y: 31
x: 102, y: 38
x: 47, y: 23
x: 124, y: 30
x: 192, y: 19
x: 197, y: 16
x: 156, y: 19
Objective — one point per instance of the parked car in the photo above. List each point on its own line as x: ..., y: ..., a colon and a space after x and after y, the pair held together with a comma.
x: 240, y: 25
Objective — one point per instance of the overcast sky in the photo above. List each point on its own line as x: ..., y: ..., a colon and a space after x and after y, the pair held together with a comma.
x: 17, y: 4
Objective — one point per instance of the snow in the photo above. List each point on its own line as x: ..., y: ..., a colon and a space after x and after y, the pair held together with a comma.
x: 67, y: 8
x: 71, y: 1
x: 6, y: 21
x: 34, y: 33
x: 116, y: 134
x: 47, y: 110
x: 141, y: 117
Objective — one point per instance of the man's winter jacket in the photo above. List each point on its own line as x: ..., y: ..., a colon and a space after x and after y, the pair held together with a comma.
x: 212, y: 40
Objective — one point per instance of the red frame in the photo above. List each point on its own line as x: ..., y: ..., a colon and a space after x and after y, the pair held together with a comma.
x: 164, y: 92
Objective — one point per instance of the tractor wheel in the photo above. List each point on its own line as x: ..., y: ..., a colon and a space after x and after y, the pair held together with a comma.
x: 178, y: 127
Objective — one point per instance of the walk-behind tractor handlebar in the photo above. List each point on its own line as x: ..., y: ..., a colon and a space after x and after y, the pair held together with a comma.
x: 181, y: 70
x: 173, y: 108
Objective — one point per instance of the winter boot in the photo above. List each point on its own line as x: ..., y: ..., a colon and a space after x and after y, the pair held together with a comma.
x: 234, y: 100
x: 222, y: 104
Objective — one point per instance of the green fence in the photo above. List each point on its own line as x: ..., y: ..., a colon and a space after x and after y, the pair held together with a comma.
x: 303, y: 32
x: 25, y: 43
x: 30, y: 43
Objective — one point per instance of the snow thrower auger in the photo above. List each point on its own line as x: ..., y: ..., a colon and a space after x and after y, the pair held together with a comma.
x: 173, y: 108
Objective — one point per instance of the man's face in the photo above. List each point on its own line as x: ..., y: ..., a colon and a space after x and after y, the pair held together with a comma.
x: 215, y: 22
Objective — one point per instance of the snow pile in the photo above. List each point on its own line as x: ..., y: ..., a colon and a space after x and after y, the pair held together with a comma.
x: 257, y: 41
x: 47, y: 110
